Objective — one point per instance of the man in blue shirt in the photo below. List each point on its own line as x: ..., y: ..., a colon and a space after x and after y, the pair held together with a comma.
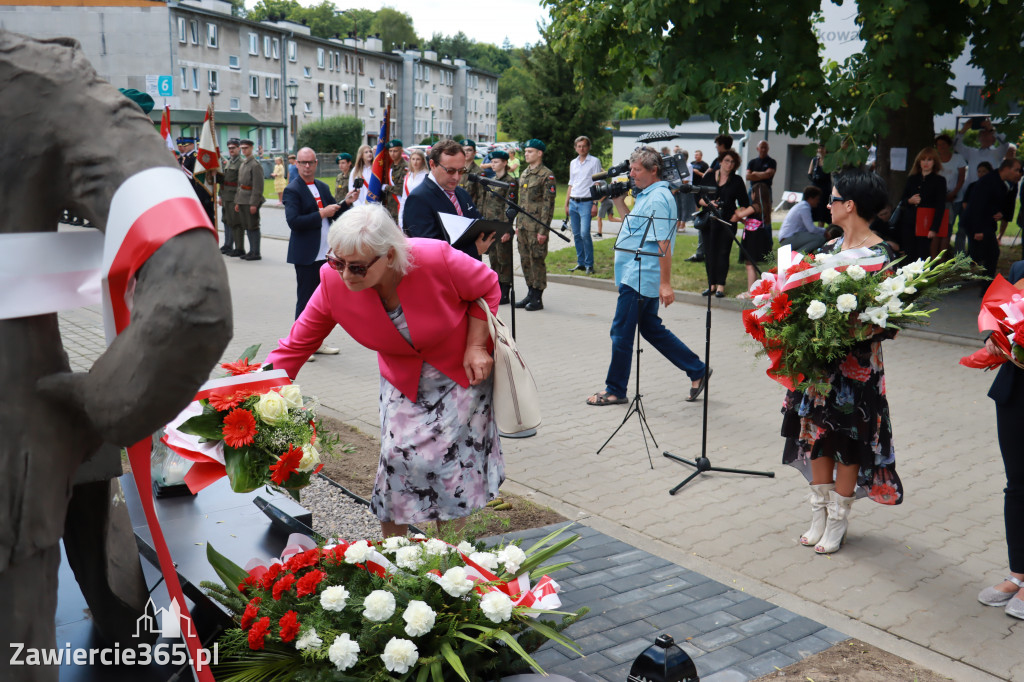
x: 799, y: 218
x: 643, y: 284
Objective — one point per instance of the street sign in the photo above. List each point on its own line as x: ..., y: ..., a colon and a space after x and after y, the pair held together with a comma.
x: 159, y: 86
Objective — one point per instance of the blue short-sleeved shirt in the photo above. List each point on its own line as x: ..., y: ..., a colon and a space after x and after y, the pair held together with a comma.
x: 655, y: 200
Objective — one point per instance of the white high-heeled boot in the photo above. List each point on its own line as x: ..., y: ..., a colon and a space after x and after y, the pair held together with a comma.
x: 835, y: 527
x: 819, y: 500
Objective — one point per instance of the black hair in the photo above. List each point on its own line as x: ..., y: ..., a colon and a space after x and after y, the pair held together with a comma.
x: 866, y: 190
x: 811, y: 191
x: 724, y: 140
x: 1008, y: 163
x: 986, y: 165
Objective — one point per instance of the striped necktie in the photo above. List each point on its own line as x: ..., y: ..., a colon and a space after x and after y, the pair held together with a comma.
x: 455, y: 202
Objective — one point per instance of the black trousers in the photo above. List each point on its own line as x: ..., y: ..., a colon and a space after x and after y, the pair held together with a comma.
x: 307, y: 279
x: 717, y: 247
x: 985, y: 252
x: 1011, y: 444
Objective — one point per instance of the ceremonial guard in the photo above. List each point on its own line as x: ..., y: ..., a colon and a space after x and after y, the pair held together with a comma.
x: 344, y: 168
x: 228, y: 190
x: 537, y: 197
x: 393, y: 190
x: 476, y: 191
x: 492, y: 207
x: 248, y: 200
x: 187, y: 159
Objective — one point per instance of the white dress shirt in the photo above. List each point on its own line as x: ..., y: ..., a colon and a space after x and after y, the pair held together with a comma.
x: 579, y: 175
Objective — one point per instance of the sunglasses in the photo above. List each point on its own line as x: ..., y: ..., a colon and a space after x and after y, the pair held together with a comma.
x: 832, y: 198
x: 354, y: 269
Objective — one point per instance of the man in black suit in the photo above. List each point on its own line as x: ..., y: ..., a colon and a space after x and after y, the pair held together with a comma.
x: 309, y: 209
x: 985, y: 210
x: 440, y: 193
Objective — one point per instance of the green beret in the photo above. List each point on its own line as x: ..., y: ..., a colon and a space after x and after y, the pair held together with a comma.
x: 394, y: 143
x: 499, y: 154
x: 144, y: 101
x: 468, y: 143
x: 535, y: 144
x: 344, y: 156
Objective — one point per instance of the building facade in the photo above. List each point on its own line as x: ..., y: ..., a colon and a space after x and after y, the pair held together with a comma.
x: 187, y: 53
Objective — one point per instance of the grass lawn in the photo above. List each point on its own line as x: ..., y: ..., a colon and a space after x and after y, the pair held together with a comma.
x: 685, y: 276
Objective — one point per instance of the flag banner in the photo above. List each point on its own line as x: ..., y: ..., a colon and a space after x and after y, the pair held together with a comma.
x: 165, y: 129
x: 381, y: 162
x: 207, y: 154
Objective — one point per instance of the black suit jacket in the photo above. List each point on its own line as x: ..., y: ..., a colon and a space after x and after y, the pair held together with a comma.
x: 423, y: 208
x: 987, y: 198
x: 303, y: 217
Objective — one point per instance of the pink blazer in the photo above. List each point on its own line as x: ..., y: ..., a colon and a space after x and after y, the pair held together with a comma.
x: 436, y: 295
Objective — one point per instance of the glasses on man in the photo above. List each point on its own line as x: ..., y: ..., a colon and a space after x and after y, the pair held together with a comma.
x: 306, y: 163
x: 832, y: 198
x: 355, y: 269
x: 452, y: 171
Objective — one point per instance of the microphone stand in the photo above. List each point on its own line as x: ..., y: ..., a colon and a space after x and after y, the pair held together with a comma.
x: 702, y: 464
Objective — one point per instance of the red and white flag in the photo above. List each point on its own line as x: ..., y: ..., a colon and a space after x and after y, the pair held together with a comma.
x: 207, y: 154
x: 165, y: 129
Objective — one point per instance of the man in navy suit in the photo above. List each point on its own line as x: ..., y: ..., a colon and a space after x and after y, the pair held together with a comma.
x: 440, y: 193
x: 985, y: 210
x: 310, y: 209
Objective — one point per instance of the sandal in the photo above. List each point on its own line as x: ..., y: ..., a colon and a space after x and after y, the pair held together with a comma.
x: 601, y: 399
x: 695, y: 392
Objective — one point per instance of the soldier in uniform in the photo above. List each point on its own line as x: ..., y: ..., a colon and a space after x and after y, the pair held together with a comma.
x: 393, y: 190
x: 228, y: 189
x: 248, y: 201
x: 493, y: 208
x: 537, y: 196
x: 344, y: 168
x: 187, y: 159
x: 476, y: 191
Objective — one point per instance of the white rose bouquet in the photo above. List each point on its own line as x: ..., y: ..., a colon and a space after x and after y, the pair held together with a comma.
x: 381, y: 611
x: 811, y: 310
x: 254, y: 427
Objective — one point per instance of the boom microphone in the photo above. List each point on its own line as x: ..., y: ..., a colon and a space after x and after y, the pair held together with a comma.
x: 473, y: 177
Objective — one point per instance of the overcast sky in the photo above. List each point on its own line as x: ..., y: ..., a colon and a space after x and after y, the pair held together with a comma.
x: 485, y: 22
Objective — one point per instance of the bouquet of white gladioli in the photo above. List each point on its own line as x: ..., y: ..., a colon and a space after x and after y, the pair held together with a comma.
x: 393, y: 610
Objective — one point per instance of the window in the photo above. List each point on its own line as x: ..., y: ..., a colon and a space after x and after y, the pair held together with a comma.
x: 195, y: 79
x: 307, y: 72
x: 426, y: 73
x: 235, y: 104
x: 330, y: 61
x: 275, y: 48
x: 266, y: 88
x: 361, y: 63
x: 372, y: 84
x: 362, y: 97
x: 449, y: 78
x: 319, y: 57
x: 293, y: 50
x: 254, y: 44
x: 307, y: 107
x: 233, y: 61
x: 372, y: 113
x: 214, y: 81
x: 211, y: 35
x: 182, y: 31
x: 254, y: 86
x: 382, y: 69
x: 266, y: 46
x: 275, y: 138
x: 277, y: 88
x: 184, y: 78
x: 193, y: 31
x: 382, y: 99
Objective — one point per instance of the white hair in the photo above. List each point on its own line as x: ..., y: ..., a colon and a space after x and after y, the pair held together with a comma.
x: 369, y: 227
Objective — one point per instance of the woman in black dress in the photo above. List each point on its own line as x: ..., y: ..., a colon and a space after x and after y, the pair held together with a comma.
x: 757, y: 239
x: 734, y: 205
x: 925, y: 188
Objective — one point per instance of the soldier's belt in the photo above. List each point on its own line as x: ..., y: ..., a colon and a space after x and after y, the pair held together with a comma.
x: 234, y: 184
x: 246, y: 186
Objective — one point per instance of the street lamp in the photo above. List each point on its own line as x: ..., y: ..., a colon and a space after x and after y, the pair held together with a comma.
x: 321, y: 96
x: 293, y: 98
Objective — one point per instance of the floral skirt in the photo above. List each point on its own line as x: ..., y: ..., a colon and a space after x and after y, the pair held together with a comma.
x: 850, y: 424
x: 440, y: 456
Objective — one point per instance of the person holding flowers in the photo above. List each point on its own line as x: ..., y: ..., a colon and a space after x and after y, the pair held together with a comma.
x: 414, y: 302
x: 839, y: 435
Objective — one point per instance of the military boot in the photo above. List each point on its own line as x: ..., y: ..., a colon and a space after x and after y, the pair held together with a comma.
x: 526, y: 300
x: 536, y: 303
x: 254, y: 246
x: 504, y: 293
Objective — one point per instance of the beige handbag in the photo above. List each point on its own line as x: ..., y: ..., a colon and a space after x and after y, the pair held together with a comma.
x: 516, y: 399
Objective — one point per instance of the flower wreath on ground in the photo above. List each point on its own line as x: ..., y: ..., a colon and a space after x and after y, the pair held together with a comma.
x: 398, y: 609
x: 810, y: 310
x: 253, y: 426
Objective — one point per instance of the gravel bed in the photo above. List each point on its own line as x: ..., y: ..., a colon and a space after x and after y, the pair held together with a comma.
x: 336, y: 515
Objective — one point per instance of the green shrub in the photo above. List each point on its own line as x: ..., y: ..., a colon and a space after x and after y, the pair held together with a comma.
x: 336, y: 134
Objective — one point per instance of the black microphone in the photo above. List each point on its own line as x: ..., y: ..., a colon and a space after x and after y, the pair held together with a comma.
x: 709, y: 190
x: 473, y: 177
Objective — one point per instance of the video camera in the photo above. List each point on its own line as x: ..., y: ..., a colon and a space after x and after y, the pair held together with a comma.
x: 673, y: 171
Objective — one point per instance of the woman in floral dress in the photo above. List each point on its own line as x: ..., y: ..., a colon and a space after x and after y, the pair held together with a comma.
x: 842, y: 440
x: 414, y: 302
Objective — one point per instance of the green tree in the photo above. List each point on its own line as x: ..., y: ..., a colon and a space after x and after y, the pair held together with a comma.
x: 358, y: 21
x: 731, y: 59
x: 335, y: 134
x: 274, y: 9
x: 395, y: 28
x: 546, y: 104
x: 481, y: 55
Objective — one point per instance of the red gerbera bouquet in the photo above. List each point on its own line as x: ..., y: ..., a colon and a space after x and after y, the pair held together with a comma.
x: 255, y: 427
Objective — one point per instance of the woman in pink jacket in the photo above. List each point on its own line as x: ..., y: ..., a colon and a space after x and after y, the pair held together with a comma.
x: 413, y: 301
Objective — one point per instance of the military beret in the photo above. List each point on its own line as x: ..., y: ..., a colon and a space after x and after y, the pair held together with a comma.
x: 244, y: 142
x: 499, y: 154
x: 535, y: 144
x: 233, y: 141
x: 186, y: 140
x: 468, y: 143
x: 142, y: 99
x: 344, y: 156
x: 394, y: 143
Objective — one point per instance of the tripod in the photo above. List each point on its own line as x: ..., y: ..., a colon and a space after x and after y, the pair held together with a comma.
x: 636, y: 406
x: 702, y: 464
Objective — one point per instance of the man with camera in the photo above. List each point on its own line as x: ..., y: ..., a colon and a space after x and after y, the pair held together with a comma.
x: 645, y: 282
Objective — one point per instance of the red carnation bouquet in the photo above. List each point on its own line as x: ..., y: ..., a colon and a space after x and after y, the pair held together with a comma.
x: 253, y: 426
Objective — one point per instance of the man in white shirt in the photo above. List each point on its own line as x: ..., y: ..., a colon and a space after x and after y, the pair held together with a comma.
x: 579, y: 205
x: 799, y: 217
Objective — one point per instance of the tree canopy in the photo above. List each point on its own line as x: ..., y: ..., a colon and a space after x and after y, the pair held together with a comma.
x: 732, y: 59
x: 325, y: 21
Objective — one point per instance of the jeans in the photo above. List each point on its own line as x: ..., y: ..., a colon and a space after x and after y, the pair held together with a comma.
x: 633, y: 309
x: 579, y: 220
x: 1008, y: 429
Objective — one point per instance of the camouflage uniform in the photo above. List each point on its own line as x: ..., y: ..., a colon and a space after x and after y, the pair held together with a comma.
x: 394, y: 190
x: 341, y: 184
x: 475, y: 189
x: 537, y: 196
x: 250, y: 193
x: 493, y: 208
x: 228, y: 190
